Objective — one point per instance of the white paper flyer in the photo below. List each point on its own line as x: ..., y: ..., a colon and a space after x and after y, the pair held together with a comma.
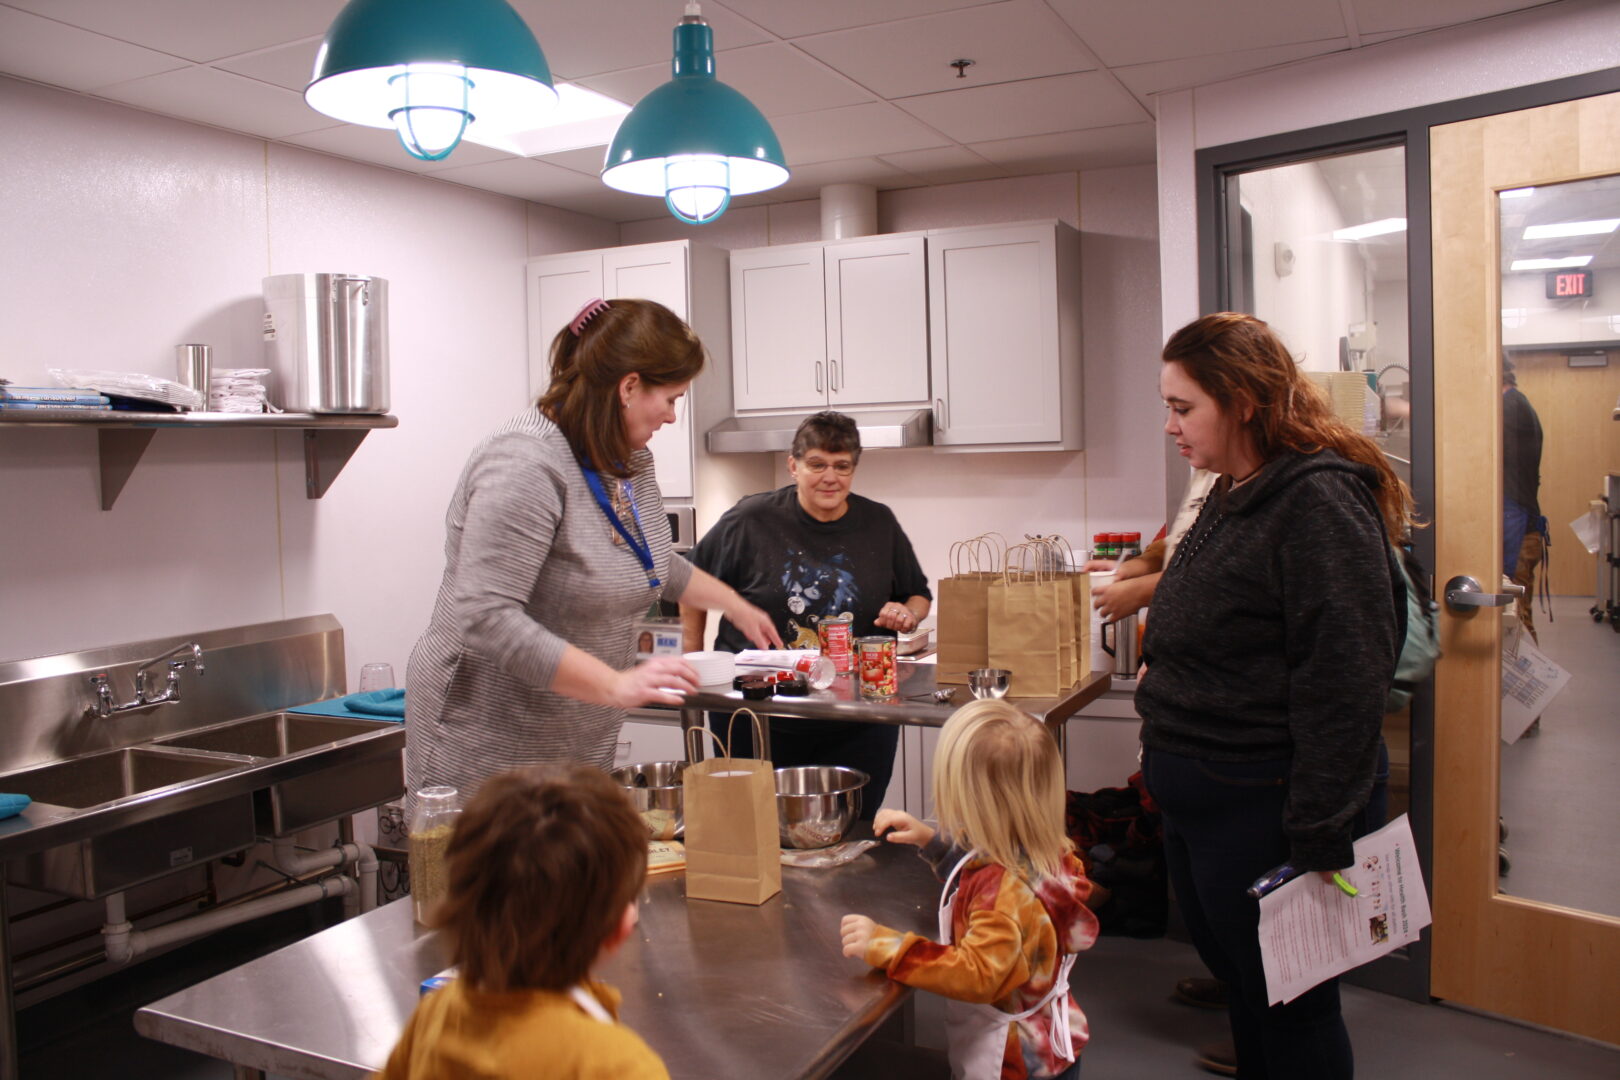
x: 1311, y: 930
x: 1530, y: 680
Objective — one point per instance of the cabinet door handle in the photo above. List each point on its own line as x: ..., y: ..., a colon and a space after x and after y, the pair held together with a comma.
x: 818, y: 376
x: 835, y: 379
x: 939, y: 414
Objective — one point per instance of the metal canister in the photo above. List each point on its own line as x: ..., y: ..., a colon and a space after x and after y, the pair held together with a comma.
x: 838, y: 641
x: 876, y: 659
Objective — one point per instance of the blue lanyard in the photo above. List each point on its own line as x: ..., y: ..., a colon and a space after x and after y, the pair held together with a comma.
x: 638, y: 542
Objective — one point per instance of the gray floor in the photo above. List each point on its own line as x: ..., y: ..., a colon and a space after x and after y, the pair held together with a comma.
x: 1560, y: 795
x: 1123, y: 985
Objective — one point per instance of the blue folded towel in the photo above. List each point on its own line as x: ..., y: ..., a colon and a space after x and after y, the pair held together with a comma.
x: 12, y: 805
x: 370, y: 705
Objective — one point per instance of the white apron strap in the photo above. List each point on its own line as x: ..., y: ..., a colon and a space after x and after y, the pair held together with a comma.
x: 587, y: 1001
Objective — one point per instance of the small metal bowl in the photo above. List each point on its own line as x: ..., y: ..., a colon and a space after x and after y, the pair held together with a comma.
x: 817, y: 804
x: 655, y: 789
x: 989, y: 682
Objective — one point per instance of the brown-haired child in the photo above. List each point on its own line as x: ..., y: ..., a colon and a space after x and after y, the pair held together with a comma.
x: 543, y: 872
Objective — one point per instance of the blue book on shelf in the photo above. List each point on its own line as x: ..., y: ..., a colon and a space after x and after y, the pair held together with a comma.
x: 59, y: 406
x: 64, y: 394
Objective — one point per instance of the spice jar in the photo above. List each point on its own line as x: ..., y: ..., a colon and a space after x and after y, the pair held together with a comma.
x: 432, y: 821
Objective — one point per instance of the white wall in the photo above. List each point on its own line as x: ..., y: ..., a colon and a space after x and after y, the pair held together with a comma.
x: 1529, y: 318
x: 127, y: 233
x: 1538, y: 45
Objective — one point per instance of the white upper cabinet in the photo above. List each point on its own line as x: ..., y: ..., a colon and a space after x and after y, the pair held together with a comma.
x: 839, y: 324
x: 1005, y: 337
x: 559, y: 285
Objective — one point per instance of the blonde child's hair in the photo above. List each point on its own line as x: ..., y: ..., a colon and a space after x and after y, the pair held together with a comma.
x: 999, y: 786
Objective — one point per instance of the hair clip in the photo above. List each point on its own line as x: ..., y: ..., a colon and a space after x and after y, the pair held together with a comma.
x: 591, y: 309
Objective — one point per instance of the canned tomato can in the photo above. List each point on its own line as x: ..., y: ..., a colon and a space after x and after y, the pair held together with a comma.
x: 876, y: 658
x: 838, y: 641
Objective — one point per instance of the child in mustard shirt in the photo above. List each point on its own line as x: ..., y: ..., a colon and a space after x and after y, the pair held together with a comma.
x: 542, y: 875
x: 1013, y: 911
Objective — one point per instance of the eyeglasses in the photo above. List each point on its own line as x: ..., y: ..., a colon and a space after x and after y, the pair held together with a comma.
x: 816, y: 466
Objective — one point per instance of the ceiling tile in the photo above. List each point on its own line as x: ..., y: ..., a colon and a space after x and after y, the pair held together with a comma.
x: 794, y: 18
x: 289, y: 66
x: 51, y: 52
x: 587, y: 160
x: 223, y: 100
x: 1142, y: 31
x: 808, y: 180
x: 1031, y: 107
x: 581, y: 39
x: 199, y: 30
x: 944, y: 165
x: 853, y: 131
x: 1379, y: 16
x: 778, y: 79
x: 1020, y: 39
x: 1146, y: 79
x: 381, y: 146
x: 1098, y: 148
x: 539, y: 182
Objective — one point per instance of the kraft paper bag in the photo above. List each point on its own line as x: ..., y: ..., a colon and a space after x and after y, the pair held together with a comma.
x: 961, y: 614
x: 732, y: 848
x: 1031, y: 627
x: 1066, y: 566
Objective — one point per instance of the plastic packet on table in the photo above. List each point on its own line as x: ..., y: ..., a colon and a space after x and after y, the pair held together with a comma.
x: 827, y: 857
x: 131, y: 384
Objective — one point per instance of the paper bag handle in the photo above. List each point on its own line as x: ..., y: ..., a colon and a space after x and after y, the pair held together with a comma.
x: 693, y: 751
x: 725, y: 746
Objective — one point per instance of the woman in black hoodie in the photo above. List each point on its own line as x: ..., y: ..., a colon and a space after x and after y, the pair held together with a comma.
x: 1269, y: 651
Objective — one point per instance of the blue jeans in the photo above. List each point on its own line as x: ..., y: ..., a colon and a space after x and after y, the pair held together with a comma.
x: 1222, y: 830
x: 1515, y: 523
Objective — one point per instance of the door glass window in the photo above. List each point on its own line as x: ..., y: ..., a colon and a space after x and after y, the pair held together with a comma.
x: 1560, y: 372
x: 1318, y: 250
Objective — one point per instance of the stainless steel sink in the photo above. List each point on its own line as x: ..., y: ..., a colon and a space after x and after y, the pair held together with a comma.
x: 276, y: 735
x: 370, y: 772
x: 115, y: 860
x: 100, y: 778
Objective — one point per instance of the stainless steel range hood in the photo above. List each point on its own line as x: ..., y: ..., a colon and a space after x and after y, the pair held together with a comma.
x: 879, y: 430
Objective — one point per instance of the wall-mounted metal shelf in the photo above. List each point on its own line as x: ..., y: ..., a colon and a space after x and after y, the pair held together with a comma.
x: 122, y: 437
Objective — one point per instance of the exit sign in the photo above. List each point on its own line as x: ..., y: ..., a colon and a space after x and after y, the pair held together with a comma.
x: 1568, y: 284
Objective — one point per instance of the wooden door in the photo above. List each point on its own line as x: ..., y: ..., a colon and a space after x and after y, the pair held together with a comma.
x: 877, y: 321
x: 1536, y: 960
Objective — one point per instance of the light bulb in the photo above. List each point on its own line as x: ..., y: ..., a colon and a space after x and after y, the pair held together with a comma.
x: 697, y: 188
x: 433, y: 116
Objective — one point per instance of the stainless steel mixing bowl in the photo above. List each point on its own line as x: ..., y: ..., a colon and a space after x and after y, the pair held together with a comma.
x: 655, y: 789
x: 816, y: 804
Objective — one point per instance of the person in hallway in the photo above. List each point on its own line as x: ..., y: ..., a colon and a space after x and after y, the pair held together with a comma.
x: 542, y: 875
x: 1269, y: 657
x: 1017, y: 916
x: 1524, y: 529
x: 803, y: 552
x: 556, y: 544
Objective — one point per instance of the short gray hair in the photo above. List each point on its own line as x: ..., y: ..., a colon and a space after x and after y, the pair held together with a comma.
x: 829, y: 431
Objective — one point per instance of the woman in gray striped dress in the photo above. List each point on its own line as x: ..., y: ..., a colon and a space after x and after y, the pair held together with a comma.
x: 556, y: 544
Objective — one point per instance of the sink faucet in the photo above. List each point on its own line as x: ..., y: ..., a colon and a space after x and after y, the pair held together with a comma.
x: 178, y: 658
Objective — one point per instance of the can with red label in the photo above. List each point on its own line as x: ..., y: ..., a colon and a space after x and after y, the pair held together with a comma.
x: 838, y: 641
x: 876, y: 658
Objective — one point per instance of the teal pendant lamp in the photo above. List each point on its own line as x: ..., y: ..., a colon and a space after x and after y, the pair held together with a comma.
x: 694, y: 141
x: 429, y: 69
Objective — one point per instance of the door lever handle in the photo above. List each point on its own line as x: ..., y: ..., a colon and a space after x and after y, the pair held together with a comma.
x: 1463, y: 593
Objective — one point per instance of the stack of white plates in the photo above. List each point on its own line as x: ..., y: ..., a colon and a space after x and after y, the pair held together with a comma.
x: 713, y: 668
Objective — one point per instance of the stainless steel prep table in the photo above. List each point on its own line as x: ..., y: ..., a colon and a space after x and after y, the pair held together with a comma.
x: 716, y: 989
x: 913, y: 704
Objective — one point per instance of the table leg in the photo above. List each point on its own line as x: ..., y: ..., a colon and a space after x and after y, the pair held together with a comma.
x: 9, y: 1069
x: 697, y: 748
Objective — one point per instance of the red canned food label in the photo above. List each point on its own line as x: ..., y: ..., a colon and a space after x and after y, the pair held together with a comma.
x: 878, y: 678
x: 837, y: 641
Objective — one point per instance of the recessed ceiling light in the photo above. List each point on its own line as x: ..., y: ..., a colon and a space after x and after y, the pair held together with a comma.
x: 582, y: 118
x: 1550, y: 264
x: 1371, y: 228
x: 1570, y: 228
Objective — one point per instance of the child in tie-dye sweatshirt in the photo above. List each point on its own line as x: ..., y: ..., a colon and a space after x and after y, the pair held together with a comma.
x: 1010, y: 926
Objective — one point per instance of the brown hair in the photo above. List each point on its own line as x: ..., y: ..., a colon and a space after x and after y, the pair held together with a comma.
x: 828, y: 431
x: 627, y: 337
x: 999, y: 787
x: 540, y: 869
x: 1238, y: 360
